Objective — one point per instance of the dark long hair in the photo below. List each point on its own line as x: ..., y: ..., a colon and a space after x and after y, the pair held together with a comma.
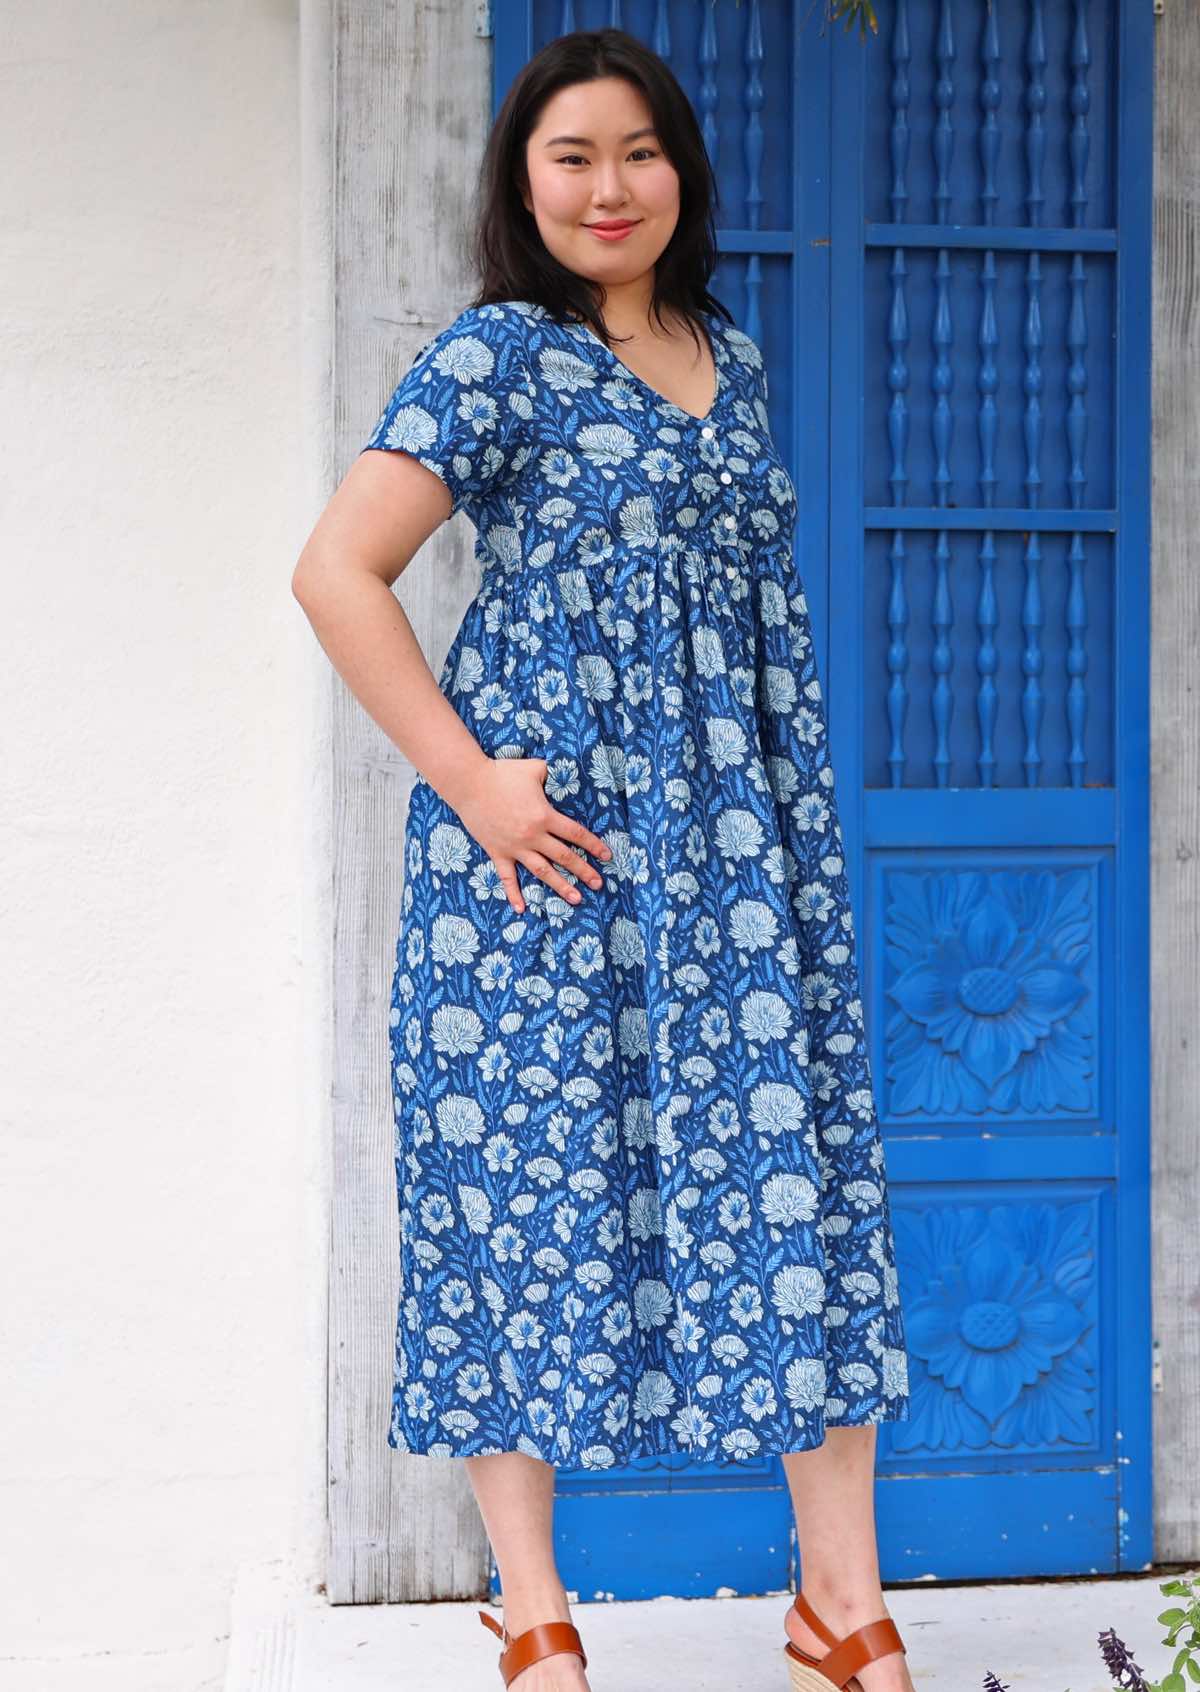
x: 512, y: 260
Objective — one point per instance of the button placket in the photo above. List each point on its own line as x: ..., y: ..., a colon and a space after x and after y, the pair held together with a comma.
x: 735, y: 565
x: 727, y: 519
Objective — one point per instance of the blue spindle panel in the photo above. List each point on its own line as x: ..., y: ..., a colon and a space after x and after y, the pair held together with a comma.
x: 972, y: 72
x: 945, y: 257
x: 988, y: 295
x: 986, y: 582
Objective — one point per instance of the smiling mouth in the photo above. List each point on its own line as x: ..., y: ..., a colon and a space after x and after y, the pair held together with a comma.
x: 616, y: 227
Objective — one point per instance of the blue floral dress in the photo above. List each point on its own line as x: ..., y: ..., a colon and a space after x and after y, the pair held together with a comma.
x: 643, y: 1202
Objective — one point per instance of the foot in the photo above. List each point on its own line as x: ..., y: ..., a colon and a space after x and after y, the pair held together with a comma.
x: 562, y: 1672
x: 885, y: 1674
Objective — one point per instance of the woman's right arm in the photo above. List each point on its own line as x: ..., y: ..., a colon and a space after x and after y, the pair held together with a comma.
x: 383, y: 512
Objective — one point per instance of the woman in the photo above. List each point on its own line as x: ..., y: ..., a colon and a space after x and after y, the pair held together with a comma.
x: 642, y: 1190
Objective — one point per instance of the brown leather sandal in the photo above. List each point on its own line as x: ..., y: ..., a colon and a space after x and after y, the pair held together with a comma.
x: 544, y: 1639
x: 836, y: 1668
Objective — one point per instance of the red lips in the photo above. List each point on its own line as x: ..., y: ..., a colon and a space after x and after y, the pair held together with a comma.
x: 613, y: 223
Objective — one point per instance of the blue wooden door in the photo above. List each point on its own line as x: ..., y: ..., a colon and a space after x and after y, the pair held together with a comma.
x: 941, y: 240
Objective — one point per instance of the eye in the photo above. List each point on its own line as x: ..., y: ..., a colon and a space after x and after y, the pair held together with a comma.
x: 571, y: 158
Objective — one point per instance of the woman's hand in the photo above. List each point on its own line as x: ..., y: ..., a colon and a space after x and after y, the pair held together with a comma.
x: 506, y: 809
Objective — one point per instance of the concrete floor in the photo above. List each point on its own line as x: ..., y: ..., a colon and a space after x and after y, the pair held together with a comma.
x: 1034, y: 1636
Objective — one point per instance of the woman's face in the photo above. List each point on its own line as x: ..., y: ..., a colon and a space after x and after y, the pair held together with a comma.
x: 594, y: 158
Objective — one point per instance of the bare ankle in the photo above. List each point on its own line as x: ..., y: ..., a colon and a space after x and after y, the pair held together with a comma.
x: 525, y: 1606
x: 834, y: 1599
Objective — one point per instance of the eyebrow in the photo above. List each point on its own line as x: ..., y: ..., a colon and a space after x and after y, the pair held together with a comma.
x: 585, y: 141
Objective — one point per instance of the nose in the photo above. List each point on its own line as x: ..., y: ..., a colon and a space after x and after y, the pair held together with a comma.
x: 611, y: 192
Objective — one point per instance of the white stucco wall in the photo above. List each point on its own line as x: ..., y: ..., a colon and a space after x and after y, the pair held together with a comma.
x: 164, y: 1236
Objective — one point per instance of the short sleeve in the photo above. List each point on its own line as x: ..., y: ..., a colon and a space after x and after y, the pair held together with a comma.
x: 760, y: 374
x: 753, y: 369
x: 463, y: 405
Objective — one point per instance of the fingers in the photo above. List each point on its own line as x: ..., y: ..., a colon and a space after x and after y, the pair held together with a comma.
x: 506, y: 869
x: 541, y: 863
x: 568, y: 829
x: 556, y: 845
x: 560, y: 853
x: 544, y: 870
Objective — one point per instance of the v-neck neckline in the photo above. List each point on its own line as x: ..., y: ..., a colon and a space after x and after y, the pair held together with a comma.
x: 681, y: 410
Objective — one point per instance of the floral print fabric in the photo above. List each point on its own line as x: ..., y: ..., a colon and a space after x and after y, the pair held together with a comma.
x: 643, y: 1202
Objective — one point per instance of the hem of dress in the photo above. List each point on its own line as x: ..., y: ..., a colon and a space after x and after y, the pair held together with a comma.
x: 899, y: 1411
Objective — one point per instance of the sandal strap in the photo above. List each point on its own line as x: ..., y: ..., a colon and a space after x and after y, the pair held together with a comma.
x: 875, y: 1639
x: 811, y: 1619
x: 544, y: 1639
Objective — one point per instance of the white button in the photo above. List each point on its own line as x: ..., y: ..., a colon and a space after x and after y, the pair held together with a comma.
x: 707, y: 433
x: 731, y: 569
x: 725, y: 476
x: 730, y: 522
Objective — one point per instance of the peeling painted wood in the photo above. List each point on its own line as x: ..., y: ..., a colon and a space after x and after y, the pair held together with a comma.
x: 412, y: 103
x: 1175, y: 784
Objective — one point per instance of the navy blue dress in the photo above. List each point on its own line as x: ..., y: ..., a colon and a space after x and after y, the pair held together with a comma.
x: 643, y: 1202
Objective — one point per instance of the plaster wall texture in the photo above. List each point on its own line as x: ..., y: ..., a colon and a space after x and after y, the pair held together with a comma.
x: 163, y: 1232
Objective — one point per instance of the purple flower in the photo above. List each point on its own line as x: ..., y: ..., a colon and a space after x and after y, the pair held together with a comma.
x: 1119, y: 1661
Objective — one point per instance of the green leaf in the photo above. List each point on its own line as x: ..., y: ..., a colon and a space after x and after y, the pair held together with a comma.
x: 850, y: 12
x: 1172, y: 1618
x: 1193, y: 1668
x: 1174, y: 1683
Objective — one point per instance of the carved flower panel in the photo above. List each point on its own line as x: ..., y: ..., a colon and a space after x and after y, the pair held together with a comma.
x: 1001, y: 1320
x: 989, y: 984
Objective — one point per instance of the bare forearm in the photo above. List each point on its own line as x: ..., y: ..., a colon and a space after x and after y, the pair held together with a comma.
x: 368, y: 638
